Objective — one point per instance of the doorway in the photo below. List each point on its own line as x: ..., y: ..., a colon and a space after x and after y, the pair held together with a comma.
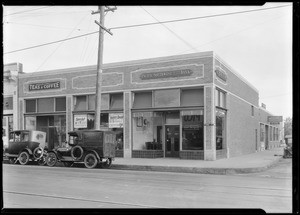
x: 267, y: 137
x: 172, y: 141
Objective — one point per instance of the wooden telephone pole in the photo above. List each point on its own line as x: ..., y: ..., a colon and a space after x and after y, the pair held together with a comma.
x: 101, y: 10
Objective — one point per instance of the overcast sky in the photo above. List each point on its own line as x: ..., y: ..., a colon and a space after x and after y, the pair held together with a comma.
x: 257, y: 44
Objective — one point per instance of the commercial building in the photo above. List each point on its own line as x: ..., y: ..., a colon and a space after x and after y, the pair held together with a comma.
x: 10, y: 98
x: 191, y: 106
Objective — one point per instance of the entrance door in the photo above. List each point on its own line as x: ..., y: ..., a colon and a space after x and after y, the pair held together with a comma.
x: 172, y: 141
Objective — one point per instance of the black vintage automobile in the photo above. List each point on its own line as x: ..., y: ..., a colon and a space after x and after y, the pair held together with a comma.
x: 26, y: 145
x: 91, y: 147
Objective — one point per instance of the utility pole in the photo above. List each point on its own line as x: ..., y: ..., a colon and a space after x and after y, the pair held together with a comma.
x: 101, y: 10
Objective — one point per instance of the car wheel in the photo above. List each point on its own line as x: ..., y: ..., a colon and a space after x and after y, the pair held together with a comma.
x: 42, y: 161
x: 107, y: 164
x: 51, y: 159
x: 11, y: 160
x: 90, y: 161
x: 24, y: 158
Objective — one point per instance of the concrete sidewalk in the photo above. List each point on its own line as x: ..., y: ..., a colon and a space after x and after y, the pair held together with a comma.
x: 255, y: 162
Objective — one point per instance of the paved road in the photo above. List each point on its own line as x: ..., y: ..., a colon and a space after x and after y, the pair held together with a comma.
x: 62, y: 187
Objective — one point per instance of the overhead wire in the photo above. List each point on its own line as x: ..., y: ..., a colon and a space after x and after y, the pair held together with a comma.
x: 60, y: 43
x: 176, y: 35
x: 146, y: 24
x: 20, y: 12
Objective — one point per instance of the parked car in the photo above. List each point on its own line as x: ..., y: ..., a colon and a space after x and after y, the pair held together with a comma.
x: 25, y: 146
x: 91, y: 147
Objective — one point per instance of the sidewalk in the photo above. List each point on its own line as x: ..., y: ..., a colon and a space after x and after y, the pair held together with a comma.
x: 255, y: 162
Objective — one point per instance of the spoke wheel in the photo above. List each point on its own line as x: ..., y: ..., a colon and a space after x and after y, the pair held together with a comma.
x: 107, y: 164
x: 11, y: 160
x: 24, y: 158
x: 51, y: 159
x: 90, y: 161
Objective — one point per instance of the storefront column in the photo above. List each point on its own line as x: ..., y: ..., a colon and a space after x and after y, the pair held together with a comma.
x: 127, y: 125
x: 209, y: 124
x: 20, y: 123
x: 69, y: 117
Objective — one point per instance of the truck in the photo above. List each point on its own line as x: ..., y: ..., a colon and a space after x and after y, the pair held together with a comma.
x: 91, y: 147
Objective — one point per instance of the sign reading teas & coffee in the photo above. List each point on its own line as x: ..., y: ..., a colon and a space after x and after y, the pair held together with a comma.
x: 44, y: 86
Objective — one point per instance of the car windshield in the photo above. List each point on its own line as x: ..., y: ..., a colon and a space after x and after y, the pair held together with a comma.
x: 73, y: 139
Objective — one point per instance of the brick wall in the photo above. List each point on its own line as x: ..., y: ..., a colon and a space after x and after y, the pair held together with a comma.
x: 241, y: 138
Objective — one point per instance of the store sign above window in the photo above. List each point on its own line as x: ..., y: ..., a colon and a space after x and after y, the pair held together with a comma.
x: 275, y: 119
x: 166, y: 74
x: 44, y: 86
x: 221, y: 74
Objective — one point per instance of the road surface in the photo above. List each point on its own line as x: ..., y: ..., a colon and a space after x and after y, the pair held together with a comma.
x: 34, y: 186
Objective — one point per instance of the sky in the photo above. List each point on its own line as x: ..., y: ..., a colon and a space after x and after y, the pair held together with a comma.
x: 256, y: 44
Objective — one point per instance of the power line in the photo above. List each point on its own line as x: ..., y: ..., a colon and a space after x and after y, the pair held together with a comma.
x: 176, y: 35
x: 145, y: 24
x: 25, y: 11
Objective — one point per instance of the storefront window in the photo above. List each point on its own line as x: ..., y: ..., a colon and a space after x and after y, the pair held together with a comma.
x: 192, y: 130
x: 143, y: 132
x: 30, y: 123
x: 220, y: 129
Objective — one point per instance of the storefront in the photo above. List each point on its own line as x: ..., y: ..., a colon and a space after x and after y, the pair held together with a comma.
x: 190, y: 106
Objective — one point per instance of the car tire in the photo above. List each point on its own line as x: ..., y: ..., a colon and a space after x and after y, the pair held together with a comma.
x: 107, y: 163
x: 23, y: 158
x: 11, y: 160
x: 90, y: 161
x: 77, y: 152
x: 51, y: 159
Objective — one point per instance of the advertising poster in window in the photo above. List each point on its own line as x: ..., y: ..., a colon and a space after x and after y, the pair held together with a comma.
x: 80, y: 121
x: 116, y: 120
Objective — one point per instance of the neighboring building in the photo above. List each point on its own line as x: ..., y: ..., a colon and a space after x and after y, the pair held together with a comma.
x: 10, y: 99
x: 190, y: 106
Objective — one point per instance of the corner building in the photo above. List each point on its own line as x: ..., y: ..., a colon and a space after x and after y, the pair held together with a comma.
x: 190, y: 106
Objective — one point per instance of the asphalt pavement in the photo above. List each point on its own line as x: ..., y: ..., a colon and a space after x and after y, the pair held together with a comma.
x: 250, y: 163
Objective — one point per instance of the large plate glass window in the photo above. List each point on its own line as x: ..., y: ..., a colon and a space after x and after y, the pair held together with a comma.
x: 220, y: 129
x: 192, y: 130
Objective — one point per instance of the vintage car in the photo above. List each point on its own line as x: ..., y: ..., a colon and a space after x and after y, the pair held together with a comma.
x: 90, y: 147
x: 26, y: 145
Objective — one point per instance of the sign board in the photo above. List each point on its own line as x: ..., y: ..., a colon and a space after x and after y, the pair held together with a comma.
x: 221, y: 75
x: 166, y: 74
x: 275, y: 119
x: 80, y: 121
x: 116, y: 120
x: 44, y: 86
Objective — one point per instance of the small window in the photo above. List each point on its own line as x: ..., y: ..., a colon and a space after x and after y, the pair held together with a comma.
x: 252, y: 110
x: 60, y: 104
x: 80, y: 103
x: 31, y: 106
x: 91, y: 102
x: 116, y: 101
x: 220, y: 98
x: 142, y: 100
x: 45, y: 105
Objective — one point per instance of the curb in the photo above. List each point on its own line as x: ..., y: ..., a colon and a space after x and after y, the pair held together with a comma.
x: 196, y: 170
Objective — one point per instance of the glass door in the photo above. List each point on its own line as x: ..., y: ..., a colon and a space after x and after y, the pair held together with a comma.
x: 172, y: 141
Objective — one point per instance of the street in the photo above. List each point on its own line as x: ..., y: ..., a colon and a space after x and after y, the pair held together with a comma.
x: 35, y: 186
